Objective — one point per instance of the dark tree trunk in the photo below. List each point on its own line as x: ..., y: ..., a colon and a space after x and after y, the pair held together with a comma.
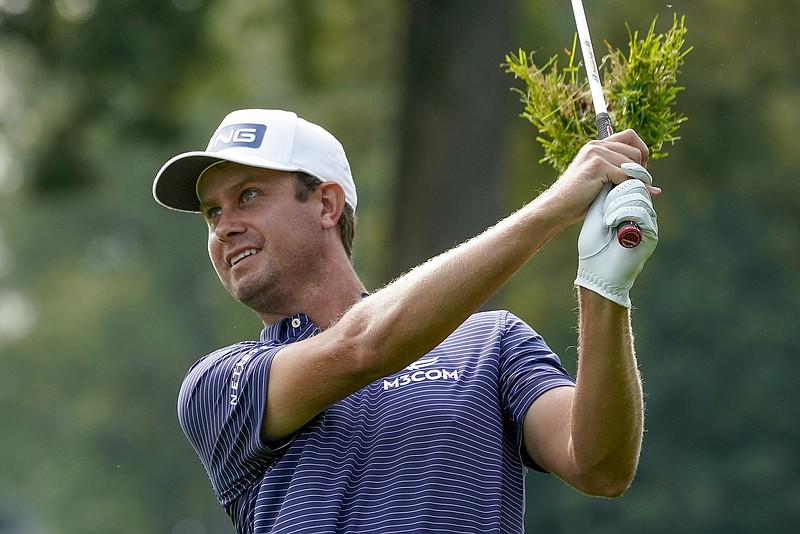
x: 452, y: 154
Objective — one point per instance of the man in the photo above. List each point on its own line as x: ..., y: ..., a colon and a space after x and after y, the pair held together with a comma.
x: 403, y: 410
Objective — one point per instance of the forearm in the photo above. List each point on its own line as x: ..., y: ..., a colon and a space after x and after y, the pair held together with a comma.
x: 608, y: 410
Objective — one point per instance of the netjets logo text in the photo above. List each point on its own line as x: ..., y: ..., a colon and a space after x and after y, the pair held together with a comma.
x: 236, y: 376
x: 420, y: 372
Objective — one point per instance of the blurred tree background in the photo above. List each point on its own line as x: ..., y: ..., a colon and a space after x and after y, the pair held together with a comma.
x: 106, y: 298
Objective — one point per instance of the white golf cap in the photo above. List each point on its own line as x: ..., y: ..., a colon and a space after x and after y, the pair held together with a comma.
x: 265, y: 138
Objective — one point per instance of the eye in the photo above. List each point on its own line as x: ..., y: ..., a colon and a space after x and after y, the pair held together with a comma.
x: 249, y: 194
x: 212, y: 213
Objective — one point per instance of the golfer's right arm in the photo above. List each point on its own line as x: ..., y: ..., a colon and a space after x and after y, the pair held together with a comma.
x: 403, y: 321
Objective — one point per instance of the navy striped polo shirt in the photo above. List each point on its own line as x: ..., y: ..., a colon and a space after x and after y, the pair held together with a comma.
x: 436, y: 447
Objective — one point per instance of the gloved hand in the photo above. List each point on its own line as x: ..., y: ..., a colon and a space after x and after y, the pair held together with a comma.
x: 605, y: 266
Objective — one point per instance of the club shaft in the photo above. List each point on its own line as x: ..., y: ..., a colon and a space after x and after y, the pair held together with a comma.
x: 595, y: 85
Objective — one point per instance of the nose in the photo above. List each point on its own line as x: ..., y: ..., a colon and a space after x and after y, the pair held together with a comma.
x: 228, y: 225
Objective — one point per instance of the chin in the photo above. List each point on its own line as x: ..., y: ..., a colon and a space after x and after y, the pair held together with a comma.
x: 247, y: 296
x: 254, y: 295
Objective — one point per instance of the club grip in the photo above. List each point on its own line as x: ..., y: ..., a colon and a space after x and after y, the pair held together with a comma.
x: 604, y: 128
x: 629, y: 235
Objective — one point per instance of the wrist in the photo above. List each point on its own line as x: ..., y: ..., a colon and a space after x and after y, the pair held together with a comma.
x: 589, y: 280
x: 550, y: 205
x: 594, y: 302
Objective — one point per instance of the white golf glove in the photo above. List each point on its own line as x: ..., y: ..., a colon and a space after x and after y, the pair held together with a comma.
x: 605, y: 266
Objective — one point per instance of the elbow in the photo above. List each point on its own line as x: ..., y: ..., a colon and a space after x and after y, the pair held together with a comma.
x: 610, y: 489
x: 611, y: 473
x: 608, y: 483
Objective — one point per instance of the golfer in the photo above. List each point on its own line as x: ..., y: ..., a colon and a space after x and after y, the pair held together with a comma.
x: 403, y: 409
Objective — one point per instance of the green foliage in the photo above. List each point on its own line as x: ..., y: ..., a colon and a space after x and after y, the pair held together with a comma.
x: 640, y: 89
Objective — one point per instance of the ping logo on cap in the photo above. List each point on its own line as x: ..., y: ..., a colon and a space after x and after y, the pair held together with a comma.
x: 242, y: 135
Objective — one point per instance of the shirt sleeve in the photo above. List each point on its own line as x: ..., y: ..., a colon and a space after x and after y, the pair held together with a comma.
x: 221, y: 409
x: 528, y: 368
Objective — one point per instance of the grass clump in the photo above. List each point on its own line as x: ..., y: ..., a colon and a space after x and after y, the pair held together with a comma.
x: 640, y: 87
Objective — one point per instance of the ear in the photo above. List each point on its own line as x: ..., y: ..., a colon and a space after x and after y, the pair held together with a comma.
x: 331, y: 196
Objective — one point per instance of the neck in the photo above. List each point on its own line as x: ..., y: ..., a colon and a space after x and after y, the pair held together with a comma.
x: 324, y: 300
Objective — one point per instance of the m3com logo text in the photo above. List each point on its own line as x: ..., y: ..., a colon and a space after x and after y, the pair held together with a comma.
x: 420, y: 371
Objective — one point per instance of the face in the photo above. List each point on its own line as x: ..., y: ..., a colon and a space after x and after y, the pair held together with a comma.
x: 262, y: 241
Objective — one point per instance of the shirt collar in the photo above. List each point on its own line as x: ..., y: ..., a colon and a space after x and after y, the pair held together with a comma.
x: 289, y: 329
x: 294, y: 328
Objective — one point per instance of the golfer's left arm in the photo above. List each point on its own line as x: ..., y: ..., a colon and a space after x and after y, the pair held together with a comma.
x: 590, y: 435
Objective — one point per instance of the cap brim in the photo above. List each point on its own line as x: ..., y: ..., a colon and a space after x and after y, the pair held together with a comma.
x: 175, y: 186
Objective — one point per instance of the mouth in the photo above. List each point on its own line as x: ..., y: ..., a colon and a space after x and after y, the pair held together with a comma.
x: 242, y: 255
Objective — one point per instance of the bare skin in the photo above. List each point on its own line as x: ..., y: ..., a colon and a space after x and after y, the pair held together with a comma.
x: 589, y: 436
